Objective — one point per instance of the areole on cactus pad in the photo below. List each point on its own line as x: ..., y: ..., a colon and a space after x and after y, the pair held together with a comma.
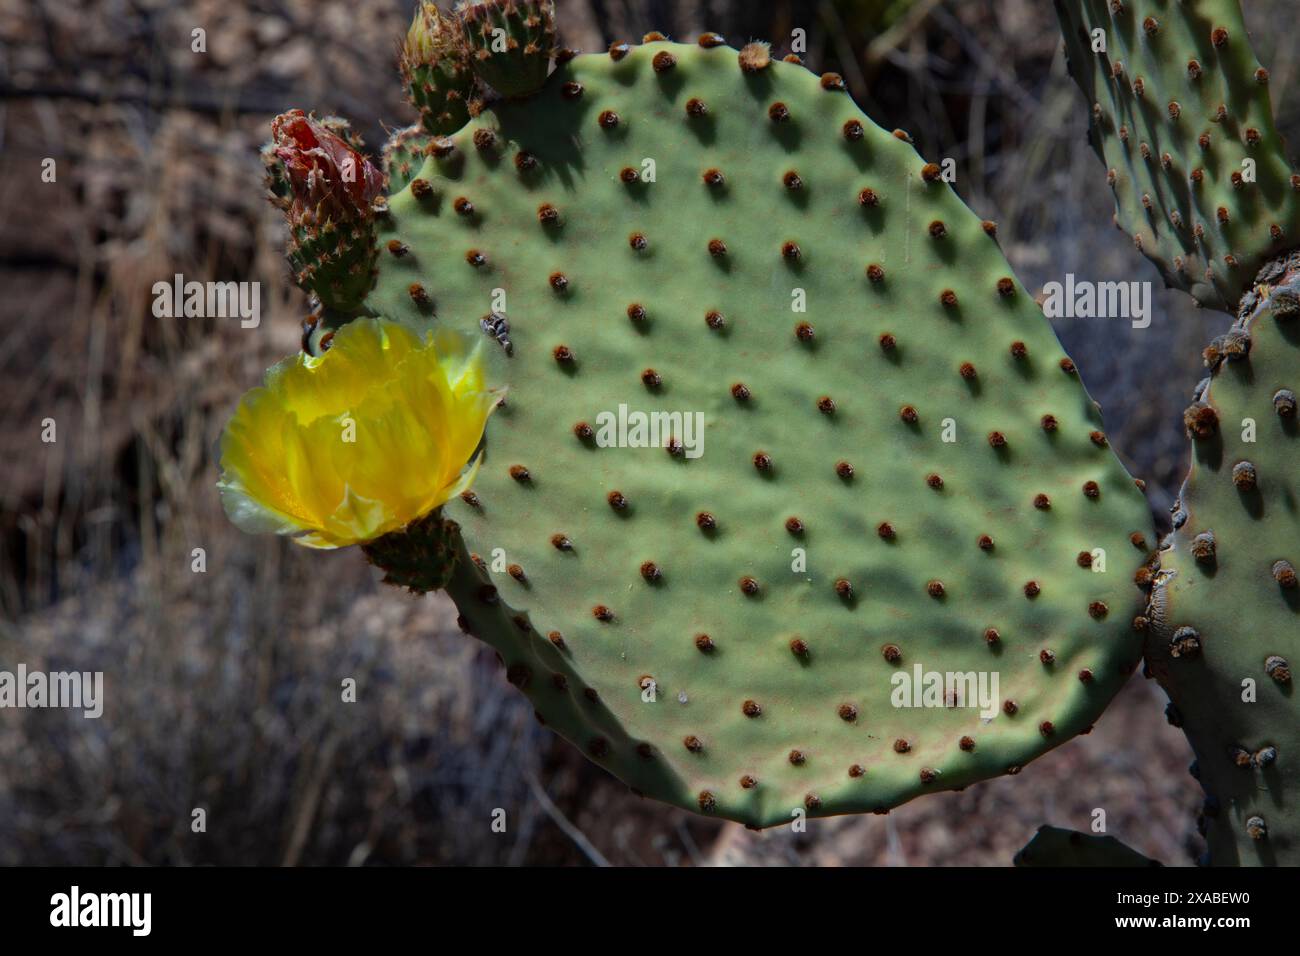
x: 796, y: 505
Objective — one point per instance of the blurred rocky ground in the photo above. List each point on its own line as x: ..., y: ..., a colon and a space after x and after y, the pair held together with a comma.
x: 224, y: 686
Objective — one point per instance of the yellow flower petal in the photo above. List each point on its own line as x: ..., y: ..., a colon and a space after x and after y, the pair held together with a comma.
x: 361, y: 441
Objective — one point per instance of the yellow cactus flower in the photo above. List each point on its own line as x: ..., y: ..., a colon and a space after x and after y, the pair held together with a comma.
x: 345, y: 447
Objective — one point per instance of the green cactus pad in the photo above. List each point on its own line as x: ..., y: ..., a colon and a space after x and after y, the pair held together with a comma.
x: 1179, y: 103
x: 1055, y: 847
x: 679, y: 228
x: 1226, y: 608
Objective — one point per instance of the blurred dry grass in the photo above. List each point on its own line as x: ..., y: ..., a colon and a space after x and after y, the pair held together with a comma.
x: 224, y: 687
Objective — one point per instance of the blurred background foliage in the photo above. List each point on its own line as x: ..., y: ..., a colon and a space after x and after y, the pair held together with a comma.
x: 223, y: 687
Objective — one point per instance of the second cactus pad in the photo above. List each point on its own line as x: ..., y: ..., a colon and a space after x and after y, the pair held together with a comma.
x: 1225, y: 613
x: 877, y: 464
x: 1181, y: 117
x: 1055, y: 847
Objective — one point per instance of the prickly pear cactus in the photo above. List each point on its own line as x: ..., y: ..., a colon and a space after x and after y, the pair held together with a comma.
x: 1055, y: 846
x: 1181, y: 117
x: 1225, y: 612
x: 881, y: 465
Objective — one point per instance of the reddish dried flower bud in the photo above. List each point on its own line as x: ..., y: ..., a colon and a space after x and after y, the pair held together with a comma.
x: 330, y: 179
x: 323, y: 182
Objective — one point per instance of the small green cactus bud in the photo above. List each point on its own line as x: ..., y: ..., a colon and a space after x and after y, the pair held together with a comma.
x: 510, y: 43
x: 436, y: 72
